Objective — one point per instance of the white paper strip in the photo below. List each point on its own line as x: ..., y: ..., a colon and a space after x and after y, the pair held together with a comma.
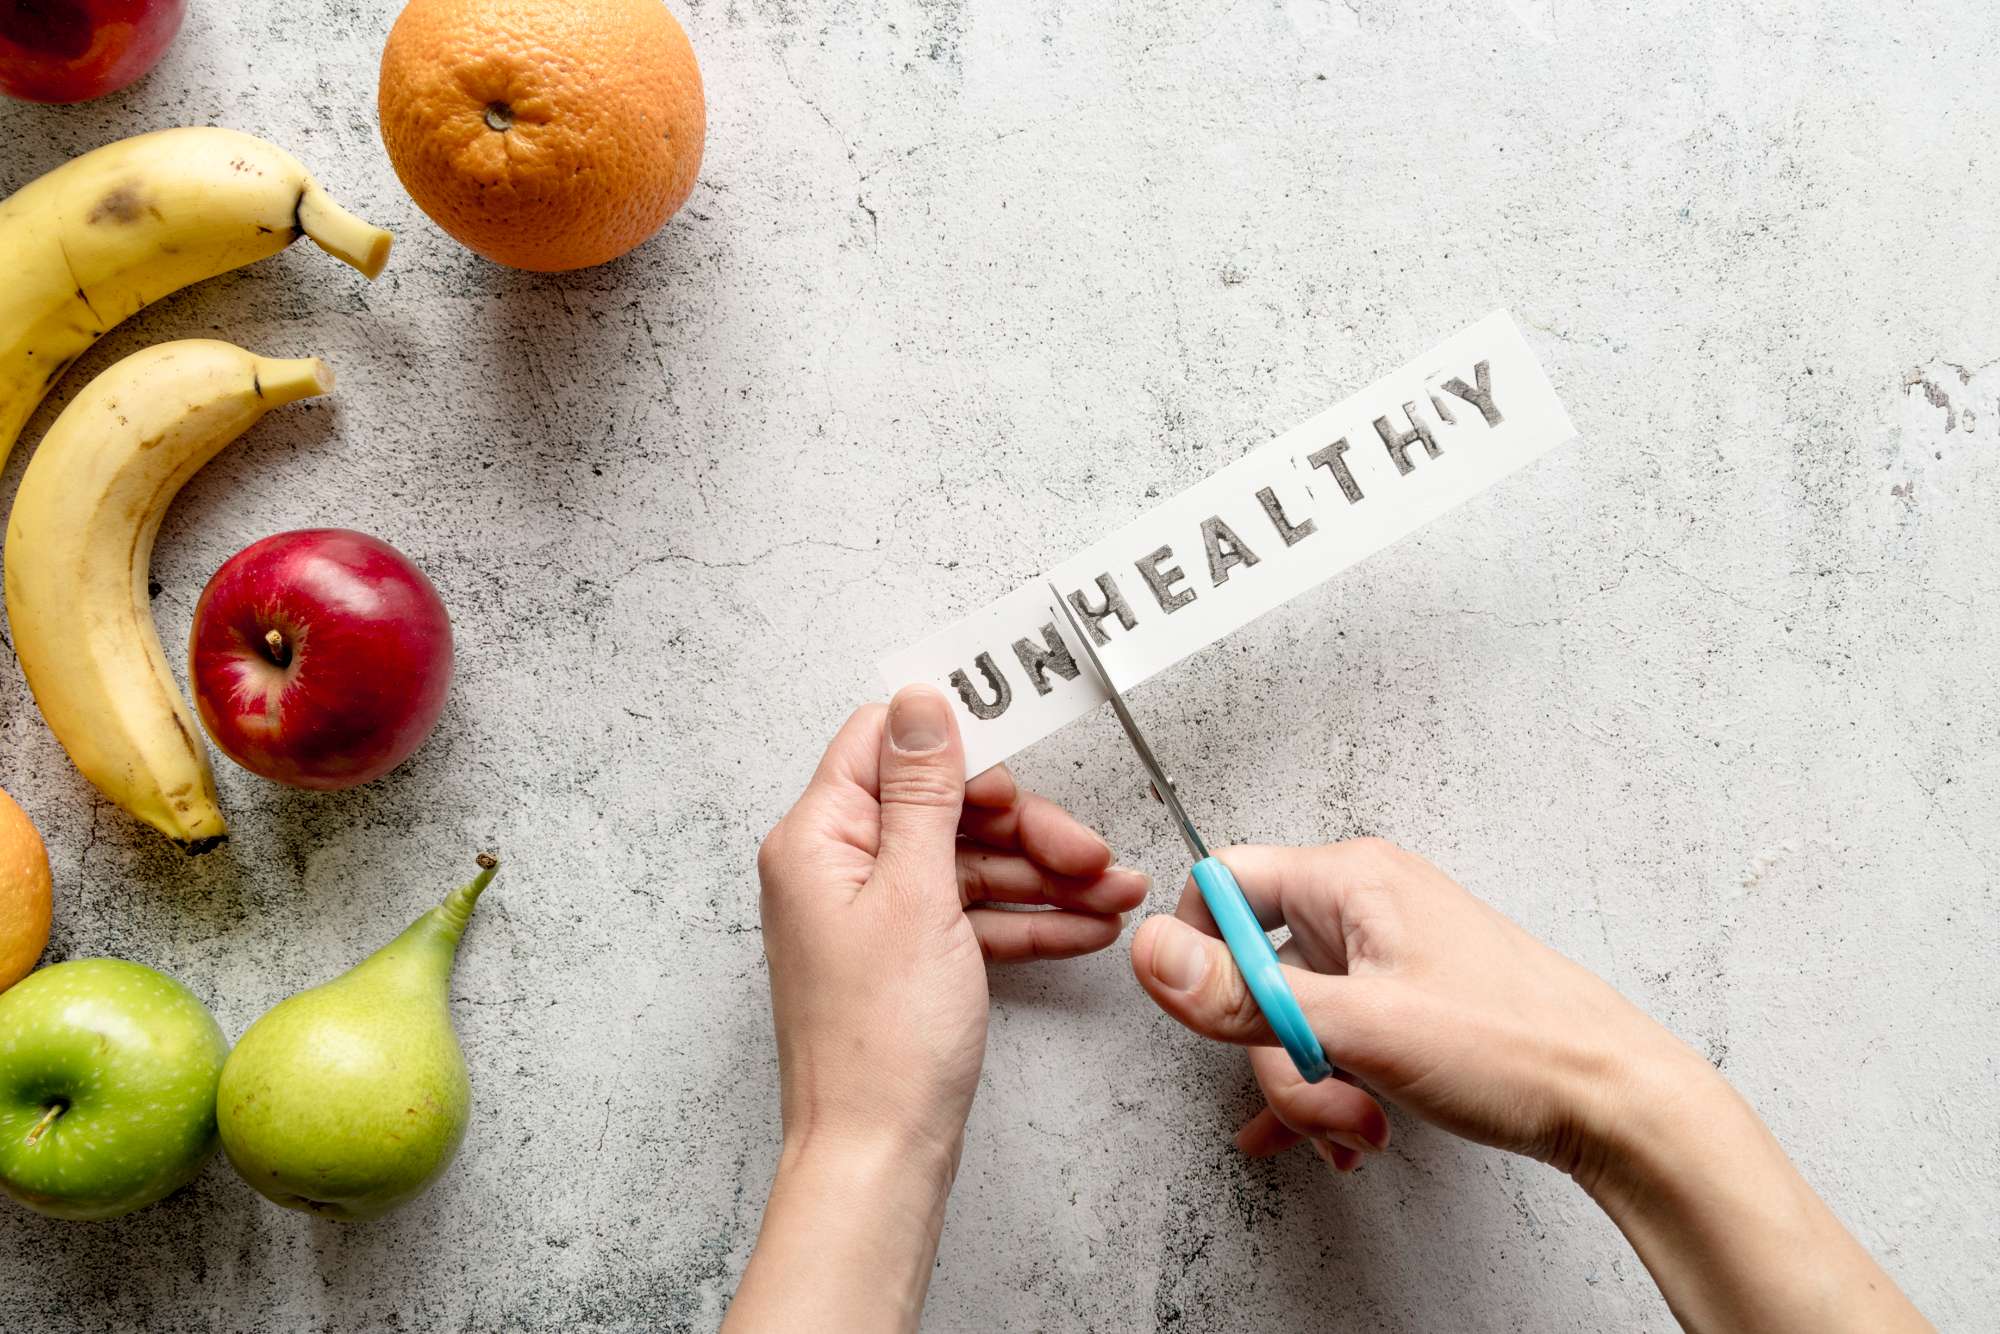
x: 1281, y: 519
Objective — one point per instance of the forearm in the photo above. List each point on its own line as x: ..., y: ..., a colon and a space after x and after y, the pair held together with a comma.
x: 849, y: 1237
x: 1728, y: 1228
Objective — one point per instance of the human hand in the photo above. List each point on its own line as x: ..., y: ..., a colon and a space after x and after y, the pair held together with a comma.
x: 1454, y: 1013
x: 878, y: 940
x: 875, y: 933
x: 1435, y: 1000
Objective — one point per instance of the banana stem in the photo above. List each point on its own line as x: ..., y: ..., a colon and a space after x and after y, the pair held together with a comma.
x: 341, y: 234
x: 285, y: 380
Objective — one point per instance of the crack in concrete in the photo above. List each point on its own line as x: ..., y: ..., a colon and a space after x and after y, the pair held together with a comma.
x: 746, y: 563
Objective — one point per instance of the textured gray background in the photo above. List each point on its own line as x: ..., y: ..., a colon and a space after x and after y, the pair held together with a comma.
x: 1708, y: 699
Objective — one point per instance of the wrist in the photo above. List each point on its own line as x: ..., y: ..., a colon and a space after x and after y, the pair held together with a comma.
x: 905, y: 1167
x: 1653, y: 1120
x: 850, y: 1234
x: 1720, y: 1217
x: 1684, y: 1167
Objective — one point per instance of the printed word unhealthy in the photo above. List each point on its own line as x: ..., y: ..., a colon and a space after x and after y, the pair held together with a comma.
x: 1284, y: 518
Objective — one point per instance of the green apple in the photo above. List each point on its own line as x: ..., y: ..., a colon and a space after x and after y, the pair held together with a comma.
x: 107, y: 1087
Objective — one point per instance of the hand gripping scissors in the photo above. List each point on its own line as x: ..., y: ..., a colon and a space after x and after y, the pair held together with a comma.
x: 1248, y: 944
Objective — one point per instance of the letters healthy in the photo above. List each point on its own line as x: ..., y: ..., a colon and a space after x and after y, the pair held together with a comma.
x: 1168, y: 586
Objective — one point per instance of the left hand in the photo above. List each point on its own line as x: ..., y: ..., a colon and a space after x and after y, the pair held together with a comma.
x: 876, y: 936
x: 878, y: 943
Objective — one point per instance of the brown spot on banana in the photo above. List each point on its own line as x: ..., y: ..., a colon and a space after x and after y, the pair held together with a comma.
x: 123, y: 204
x: 194, y: 745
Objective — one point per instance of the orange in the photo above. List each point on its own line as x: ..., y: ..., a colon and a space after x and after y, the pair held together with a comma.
x: 544, y: 134
x: 24, y: 893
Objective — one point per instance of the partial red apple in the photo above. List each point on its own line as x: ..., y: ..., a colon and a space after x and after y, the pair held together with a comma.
x: 320, y: 657
x: 74, y: 50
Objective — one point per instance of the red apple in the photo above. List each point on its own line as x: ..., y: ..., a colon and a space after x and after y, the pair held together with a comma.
x: 74, y: 50
x: 320, y: 657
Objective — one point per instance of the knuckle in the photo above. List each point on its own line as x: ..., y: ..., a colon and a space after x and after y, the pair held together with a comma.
x: 1294, y: 1102
x: 1234, y: 1007
x: 1375, y: 850
x: 1369, y: 862
x: 922, y: 785
x: 774, y: 851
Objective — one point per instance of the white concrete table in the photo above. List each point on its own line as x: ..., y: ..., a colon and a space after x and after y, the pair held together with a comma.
x: 1708, y: 700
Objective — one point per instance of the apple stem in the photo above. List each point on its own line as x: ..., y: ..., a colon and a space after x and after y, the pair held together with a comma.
x: 56, y: 1109
x: 275, y: 642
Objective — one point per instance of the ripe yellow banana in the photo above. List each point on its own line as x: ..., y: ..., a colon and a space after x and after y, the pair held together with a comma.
x: 125, y: 224
x: 79, y: 550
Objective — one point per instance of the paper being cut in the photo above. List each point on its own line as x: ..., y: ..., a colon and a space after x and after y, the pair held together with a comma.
x: 1283, y: 518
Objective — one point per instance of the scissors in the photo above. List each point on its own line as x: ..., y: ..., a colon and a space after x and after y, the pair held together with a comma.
x: 1248, y: 944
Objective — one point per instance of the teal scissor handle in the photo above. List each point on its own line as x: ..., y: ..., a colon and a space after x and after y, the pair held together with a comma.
x: 1258, y: 962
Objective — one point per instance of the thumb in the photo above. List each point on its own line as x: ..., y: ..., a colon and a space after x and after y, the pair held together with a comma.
x: 921, y: 788
x: 1193, y: 978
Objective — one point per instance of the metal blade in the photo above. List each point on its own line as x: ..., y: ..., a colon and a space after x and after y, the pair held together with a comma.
x: 1163, y: 785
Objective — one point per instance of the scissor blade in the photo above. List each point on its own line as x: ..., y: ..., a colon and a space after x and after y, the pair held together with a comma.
x: 1082, y: 636
x: 1163, y: 785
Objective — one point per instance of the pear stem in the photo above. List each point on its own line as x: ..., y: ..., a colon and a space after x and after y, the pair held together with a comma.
x: 56, y: 1109
x: 456, y: 910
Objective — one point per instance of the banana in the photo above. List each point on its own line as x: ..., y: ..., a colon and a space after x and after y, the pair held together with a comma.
x: 79, y: 551
x: 125, y: 224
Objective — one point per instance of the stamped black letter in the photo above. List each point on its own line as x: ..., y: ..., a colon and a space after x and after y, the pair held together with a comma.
x: 1293, y: 534
x: 1038, y: 660
x: 1003, y: 694
x: 1481, y: 398
x: 1114, y: 603
x: 1163, y: 581
x: 1329, y: 459
x: 1398, y: 442
x: 1225, y: 550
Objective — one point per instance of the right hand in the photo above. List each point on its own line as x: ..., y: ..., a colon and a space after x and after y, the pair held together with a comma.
x: 1434, y: 1000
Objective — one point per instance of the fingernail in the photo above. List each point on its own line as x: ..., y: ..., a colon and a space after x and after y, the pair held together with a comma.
x: 917, y: 722
x: 1133, y: 874
x: 1347, y: 1139
x: 1181, y: 960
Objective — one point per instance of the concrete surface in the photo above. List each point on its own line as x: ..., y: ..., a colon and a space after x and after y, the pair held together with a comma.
x: 1708, y: 700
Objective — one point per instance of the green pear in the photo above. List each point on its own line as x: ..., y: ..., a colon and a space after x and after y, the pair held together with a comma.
x: 350, y: 1099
